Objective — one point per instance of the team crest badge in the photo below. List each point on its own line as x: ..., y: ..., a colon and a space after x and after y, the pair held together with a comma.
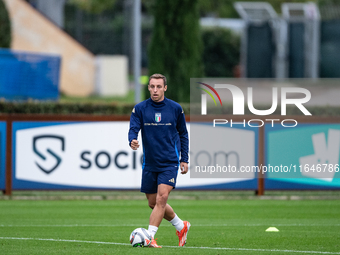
x: 158, y: 117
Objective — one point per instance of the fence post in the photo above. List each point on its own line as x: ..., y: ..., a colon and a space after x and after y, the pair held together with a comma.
x: 8, y: 188
x: 260, y: 176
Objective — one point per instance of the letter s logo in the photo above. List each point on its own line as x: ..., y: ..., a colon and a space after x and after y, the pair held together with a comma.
x: 58, y: 159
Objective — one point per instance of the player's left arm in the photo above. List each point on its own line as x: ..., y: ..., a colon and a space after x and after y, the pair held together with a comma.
x: 184, y: 138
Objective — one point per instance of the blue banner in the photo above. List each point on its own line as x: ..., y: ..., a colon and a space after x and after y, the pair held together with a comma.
x: 2, y: 155
x: 26, y: 75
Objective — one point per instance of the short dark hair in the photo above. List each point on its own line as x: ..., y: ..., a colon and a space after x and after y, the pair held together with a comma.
x: 158, y: 76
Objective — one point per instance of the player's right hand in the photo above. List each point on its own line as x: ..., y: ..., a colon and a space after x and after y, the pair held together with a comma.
x: 134, y: 144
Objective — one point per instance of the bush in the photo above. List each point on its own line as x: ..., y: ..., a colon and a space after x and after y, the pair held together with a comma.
x: 70, y: 108
x: 5, y: 27
x: 221, y: 52
x: 36, y: 107
x: 64, y: 108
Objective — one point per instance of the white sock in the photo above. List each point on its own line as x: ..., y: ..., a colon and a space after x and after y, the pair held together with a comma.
x: 152, y: 230
x: 177, y: 223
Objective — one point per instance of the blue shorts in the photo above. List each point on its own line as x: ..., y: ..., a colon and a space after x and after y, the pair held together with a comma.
x: 151, y: 180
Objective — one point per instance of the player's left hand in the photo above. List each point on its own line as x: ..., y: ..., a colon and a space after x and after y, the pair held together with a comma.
x: 184, y: 167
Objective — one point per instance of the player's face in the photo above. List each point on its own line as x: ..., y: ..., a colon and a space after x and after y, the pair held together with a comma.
x: 157, y: 89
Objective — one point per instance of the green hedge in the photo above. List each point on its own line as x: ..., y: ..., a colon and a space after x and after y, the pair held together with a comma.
x: 69, y: 108
x: 125, y: 109
x: 64, y: 108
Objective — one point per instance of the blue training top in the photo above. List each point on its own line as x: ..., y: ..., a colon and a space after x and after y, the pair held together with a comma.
x: 164, y: 134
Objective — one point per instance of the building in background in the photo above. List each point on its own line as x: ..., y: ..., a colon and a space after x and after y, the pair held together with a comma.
x: 35, y: 32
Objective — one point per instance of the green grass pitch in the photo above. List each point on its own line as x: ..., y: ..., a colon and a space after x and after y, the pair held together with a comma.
x: 218, y: 227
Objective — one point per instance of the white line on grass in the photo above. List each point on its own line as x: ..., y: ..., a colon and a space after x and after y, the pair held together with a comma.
x: 186, y: 247
x: 198, y: 225
x: 60, y: 240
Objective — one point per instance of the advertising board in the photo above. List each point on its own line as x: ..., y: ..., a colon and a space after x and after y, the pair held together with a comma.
x: 92, y: 155
x: 305, y: 157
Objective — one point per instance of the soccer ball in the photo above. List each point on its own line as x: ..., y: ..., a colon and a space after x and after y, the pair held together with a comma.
x: 140, y: 237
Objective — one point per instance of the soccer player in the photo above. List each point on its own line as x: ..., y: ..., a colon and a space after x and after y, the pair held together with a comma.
x: 165, y: 148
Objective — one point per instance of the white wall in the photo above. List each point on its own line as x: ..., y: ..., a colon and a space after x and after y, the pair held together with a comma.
x: 111, y: 75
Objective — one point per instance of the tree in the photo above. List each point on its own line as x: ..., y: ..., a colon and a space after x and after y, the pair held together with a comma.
x: 221, y: 52
x: 217, y: 8
x: 176, y: 46
x: 5, y: 27
x: 94, y: 6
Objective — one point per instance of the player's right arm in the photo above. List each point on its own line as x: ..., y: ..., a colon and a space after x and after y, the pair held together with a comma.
x: 135, y: 126
x: 134, y: 144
